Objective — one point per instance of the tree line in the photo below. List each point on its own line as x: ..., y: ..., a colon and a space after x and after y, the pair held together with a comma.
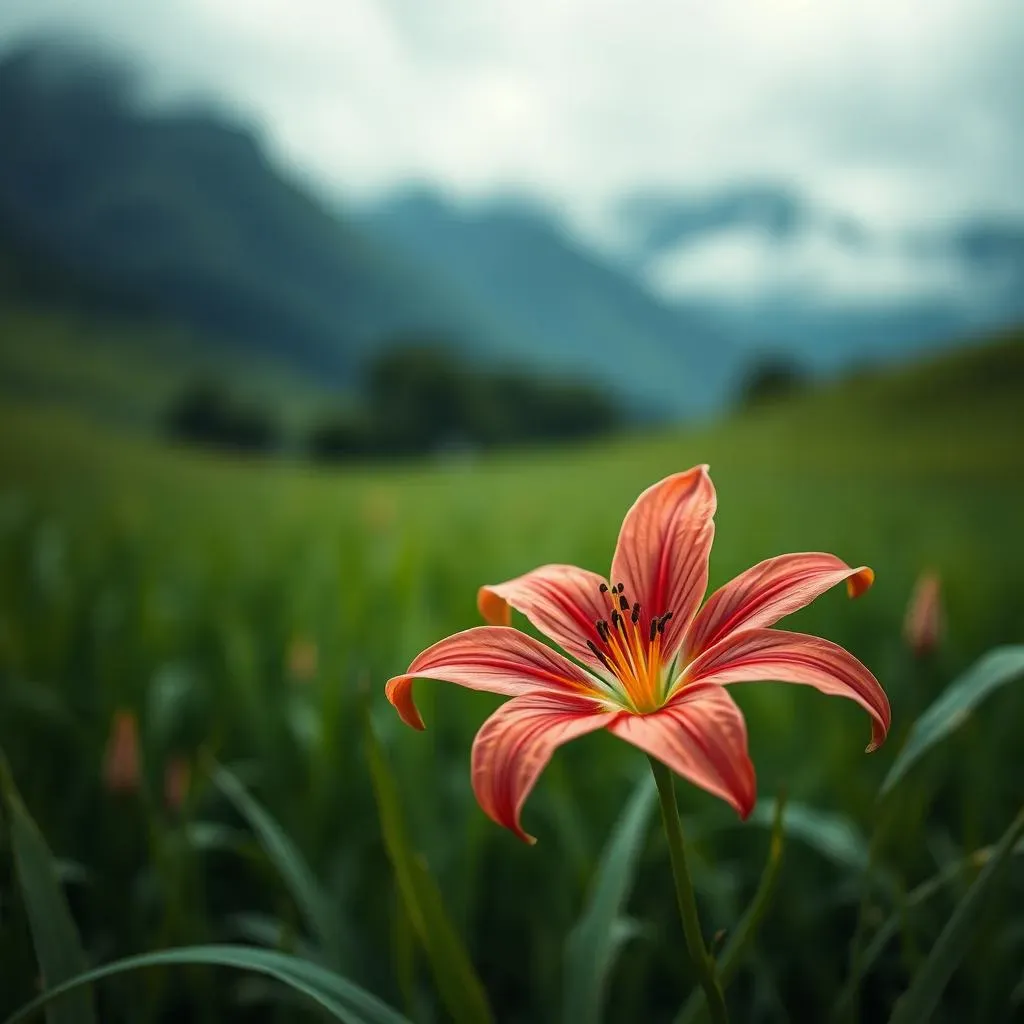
x: 415, y: 399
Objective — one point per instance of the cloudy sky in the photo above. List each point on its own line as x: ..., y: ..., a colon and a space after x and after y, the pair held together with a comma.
x: 899, y: 112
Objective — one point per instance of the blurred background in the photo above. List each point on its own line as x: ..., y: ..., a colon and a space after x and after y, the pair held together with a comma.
x: 314, y: 317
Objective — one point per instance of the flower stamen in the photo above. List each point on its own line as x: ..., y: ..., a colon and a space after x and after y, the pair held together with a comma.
x: 633, y: 659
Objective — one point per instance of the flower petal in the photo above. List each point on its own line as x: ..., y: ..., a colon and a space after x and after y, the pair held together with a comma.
x: 754, y: 655
x: 497, y: 659
x: 663, y: 548
x: 515, y: 744
x: 562, y: 601
x: 700, y: 735
x: 770, y: 590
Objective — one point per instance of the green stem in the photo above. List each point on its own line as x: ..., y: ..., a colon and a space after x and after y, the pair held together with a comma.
x: 702, y: 961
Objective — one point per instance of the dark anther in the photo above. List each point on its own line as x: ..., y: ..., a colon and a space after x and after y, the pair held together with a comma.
x: 661, y: 625
x: 602, y: 630
x: 615, y: 620
x: 603, y: 588
x: 636, y: 613
x: 623, y: 604
x: 597, y: 652
x: 654, y: 629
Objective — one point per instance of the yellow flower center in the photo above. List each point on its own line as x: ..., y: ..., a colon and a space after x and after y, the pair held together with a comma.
x: 631, y: 653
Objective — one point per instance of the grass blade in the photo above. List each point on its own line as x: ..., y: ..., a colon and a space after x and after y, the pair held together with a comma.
x: 298, y: 877
x: 457, y: 982
x: 744, y: 932
x: 341, y: 998
x: 995, y: 669
x: 833, y: 835
x: 917, y: 896
x: 921, y: 998
x: 54, y: 934
x: 596, y: 939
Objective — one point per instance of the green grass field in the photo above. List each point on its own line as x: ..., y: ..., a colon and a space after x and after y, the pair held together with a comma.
x: 247, y: 610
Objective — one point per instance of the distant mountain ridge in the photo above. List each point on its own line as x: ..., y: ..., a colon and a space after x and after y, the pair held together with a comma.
x: 811, y: 282
x: 182, y: 213
x: 180, y: 216
x: 571, y: 308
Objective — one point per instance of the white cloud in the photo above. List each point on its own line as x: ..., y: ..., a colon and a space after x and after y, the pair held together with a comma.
x: 905, y: 111
x: 814, y: 266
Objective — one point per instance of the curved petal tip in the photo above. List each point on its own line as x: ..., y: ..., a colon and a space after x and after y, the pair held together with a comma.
x: 398, y: 690
x: 495, y: 610
x: 860, y: 581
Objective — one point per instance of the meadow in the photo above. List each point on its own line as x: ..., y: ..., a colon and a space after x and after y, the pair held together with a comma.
x: 248, y: 612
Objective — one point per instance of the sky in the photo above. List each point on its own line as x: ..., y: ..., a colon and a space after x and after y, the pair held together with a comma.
x: 902, y: 113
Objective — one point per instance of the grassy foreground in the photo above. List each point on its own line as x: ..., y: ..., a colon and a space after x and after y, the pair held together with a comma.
x: 246, y: 611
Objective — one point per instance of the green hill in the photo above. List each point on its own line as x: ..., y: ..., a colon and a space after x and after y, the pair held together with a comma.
x: 180, y: 214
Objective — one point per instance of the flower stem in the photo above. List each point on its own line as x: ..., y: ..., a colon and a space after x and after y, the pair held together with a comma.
x: 702, y: 960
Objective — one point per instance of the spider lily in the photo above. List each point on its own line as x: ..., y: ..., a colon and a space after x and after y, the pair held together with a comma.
x: 651, y: 665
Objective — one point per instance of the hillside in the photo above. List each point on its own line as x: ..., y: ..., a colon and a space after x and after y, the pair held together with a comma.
x: 180, y: 213
x: 180, y: 216
x: 571, y: 310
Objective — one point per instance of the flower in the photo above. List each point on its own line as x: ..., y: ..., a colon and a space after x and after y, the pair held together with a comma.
x: 122, y: 771
x: 177, y: 779
x: 651, y: 664
x: 923, y: 623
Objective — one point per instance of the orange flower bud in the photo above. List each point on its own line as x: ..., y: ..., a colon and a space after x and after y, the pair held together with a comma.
x: 177, y: 779
x: 122, y: 771
x: 923, y: 622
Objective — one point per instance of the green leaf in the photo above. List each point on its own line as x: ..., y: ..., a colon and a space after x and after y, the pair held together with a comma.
x: 344, y: 1000
x: 996, y: 668
x: 54, y: 935
x: 925, y: 991
x: 208, y: 836
x: 457, y: 982
x: 744, y: 932
x: 263, y: 930
x: 597, y: 936
x: 832, y: 835
x: 309, y: 896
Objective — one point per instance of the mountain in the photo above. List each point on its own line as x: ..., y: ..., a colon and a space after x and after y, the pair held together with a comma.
x: 569, y: 309
x: 780, y: 273
x: 181, y: 214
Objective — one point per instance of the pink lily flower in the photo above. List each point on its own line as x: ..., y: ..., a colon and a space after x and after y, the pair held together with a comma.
x: 651, y: 665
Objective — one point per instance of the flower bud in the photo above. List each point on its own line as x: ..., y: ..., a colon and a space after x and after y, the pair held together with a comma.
x: 122, y: 764
x: 923, y: 622
x: 177, y: 778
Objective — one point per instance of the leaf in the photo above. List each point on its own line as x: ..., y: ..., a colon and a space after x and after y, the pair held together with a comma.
x: 744, y: 932
x: 344, y: 1000
x: 263, y: 930
x: 457, y: 982
x: 597, y: 936
x: 207, y: 836
x: 996, y: 668
x: 309, y: 896
x: 832, y: 835
x: 925, y: 991
x: 54, y: 935
x: 914, y: 898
